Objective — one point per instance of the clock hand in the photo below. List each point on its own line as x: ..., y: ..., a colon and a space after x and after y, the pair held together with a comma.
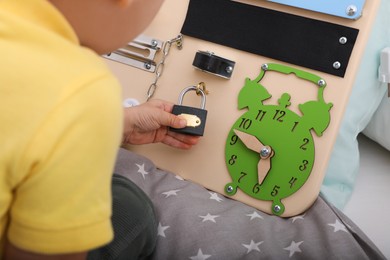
x: 264, y: 164
x: 250, y: 141
x: 265, y: 152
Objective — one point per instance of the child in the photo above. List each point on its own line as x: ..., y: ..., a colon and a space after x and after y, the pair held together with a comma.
x: 62, y: 123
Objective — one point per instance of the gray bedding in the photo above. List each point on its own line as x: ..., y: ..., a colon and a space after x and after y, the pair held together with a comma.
x: 195, y: 223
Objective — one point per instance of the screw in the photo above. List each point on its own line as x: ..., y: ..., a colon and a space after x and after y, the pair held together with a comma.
x: 229, y: 69
x: 351, y: 10
x: 277, y: 208
x: 321, y: 83
x: 154, y: 43
x: 336, y: 65
x: 147, y: 65
x: 264, y: 152
x: 229, y: 189
x: 264, y: 66
x: 343, y: 40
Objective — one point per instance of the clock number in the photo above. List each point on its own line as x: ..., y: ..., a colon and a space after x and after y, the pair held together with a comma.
x: 305, y: 143
x: 243, y: 174
x: 295, y: 125
x: 279, y: 114
x: 292, y: 181
x: 275, y: 191
x: 233, y: 140
x: 260, y: 115
x: 233, y: 159
x: 256, y: 188
x: 303, y: 166
x: 245, y: 123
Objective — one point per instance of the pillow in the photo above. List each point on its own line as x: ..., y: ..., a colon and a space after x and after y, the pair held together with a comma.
x: 378, y: 128
x: 365, y: 98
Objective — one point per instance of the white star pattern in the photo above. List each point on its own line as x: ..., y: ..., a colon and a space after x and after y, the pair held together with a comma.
x: 200, y: 256
x: 170, y: 193
x: 141, y: 169
x: 209, y: 217
x: 338, y: 226
x: 161, y: 229
x: 253, y: 246
x: 179, y: 177
x: 214, y: 196
x: 293, y: 248
x: 254, y: 215
x: 298, y: 217
x: 251, y: 239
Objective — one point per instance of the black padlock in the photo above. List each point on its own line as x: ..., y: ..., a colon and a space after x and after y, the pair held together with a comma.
x: 196, y: 117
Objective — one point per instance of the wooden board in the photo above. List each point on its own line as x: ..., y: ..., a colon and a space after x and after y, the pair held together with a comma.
x: 205, y: 163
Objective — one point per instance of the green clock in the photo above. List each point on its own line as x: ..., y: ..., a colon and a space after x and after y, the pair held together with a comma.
x: 270, y: 150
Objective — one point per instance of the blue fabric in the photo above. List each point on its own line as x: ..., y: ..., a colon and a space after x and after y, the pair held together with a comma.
x: 365, y: 98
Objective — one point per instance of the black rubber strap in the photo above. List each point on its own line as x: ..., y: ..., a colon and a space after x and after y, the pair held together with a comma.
x: 211, y: 63
x: 290, y: 38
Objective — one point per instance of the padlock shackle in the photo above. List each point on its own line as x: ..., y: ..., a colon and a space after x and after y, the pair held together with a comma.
x: 198, y: 90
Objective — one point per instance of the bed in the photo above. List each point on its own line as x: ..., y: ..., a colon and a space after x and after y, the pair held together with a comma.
x: 368, y: 206
x: 196, y: 223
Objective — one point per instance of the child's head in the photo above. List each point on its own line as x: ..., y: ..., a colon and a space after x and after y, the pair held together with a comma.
x: 105, y: 25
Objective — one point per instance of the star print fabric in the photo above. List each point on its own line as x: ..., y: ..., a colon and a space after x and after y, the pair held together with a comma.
x: 198, y: 224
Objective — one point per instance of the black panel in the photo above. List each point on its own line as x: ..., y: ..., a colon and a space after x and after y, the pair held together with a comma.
x: 290, y: 38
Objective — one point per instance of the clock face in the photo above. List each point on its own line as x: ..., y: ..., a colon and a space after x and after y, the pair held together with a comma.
x: 289, y: 167
x: 270, y: 150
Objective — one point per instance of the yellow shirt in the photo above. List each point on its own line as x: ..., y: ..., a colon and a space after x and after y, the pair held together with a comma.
x: 60, y: 127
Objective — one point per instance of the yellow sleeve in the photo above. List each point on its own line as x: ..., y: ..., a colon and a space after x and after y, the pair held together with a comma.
x: 64, y: 204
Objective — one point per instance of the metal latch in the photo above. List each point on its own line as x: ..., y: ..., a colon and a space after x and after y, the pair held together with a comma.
x: 139, y: 53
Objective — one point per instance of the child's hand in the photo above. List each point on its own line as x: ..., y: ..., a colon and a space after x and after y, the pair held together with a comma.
x: 150, y: 122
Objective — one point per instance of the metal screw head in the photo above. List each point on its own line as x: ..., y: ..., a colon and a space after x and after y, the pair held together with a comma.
x: 229, y: 189
x: 343, y: 40
x: 147, y: 65
x: 351, y: 10
x: 264, y: 66
x: 154, y: 43
x: 265, y: 152
x: 229, y: 69
x: 277, y: 208
x: 336, y: 65
x: 321, y: 83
